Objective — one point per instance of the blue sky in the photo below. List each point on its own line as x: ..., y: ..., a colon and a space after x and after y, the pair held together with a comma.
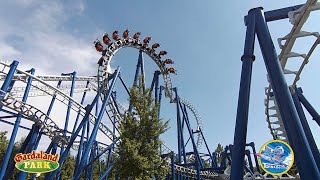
x: 204, y: 38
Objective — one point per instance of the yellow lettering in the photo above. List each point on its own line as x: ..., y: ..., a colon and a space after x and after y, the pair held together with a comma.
x: 33, y: 165
x: 39, y: 164
x: 26, y: 164
x: 46, y: 165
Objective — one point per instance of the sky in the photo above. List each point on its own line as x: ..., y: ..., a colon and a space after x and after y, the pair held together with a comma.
x: 204, y: 38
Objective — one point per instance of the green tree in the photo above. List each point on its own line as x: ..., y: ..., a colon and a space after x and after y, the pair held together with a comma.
x: 3, y: 144
x: 3, y: 148
x: 68, y: 166
x: 139, y: 147
x: 293, y: 170
x: 219, y: 151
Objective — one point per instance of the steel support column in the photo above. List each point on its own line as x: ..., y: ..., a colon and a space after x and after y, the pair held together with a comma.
x: 48, y: 113
x: 31, y: 146
x: 315, y: 115
x: 172, y: 165
x: 136, y: 76
x: 96, y: 126
x: 73, y: 136
x: 288, y: 112
x: 160, y: 96
x: 138, y: 68
x: 21, y: 150
x: 180, y: 144
x: 240, y: 134
x: 82, y: 101
x: 18, y: 120
x: 306, y: 128
x: 9, y: 77
x: 195, y: 149
x: 254, y: 155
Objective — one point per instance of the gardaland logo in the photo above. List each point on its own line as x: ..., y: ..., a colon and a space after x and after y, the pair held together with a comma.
x: 276, y: 157
x: 34, y: 162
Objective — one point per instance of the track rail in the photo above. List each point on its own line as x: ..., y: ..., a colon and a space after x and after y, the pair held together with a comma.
x: 61, y: 96
x: 130, y: 42
x: 197, y: 117
x: 32, y: 113
x: 298, y: 19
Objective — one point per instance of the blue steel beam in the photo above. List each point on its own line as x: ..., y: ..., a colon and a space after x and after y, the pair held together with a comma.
x: 73, y: 75
x: 155, y: 85
x: 12, y: 113
x: 108, y: 164
x: 136, y: 76
x: 18, y: 119
x: 308, y: 168
x: 21, y: 150
x: 49, y: 147
x: 99, y: 155
x: 79, y: 154
x: 20, y: 126
x: 186, y: 120
x: 279, y: 14
x: 73, y: 136
x: 30, y: 147
x: 124, y: 84
x: 241, y: 125
x: 96, y: 126
x: 308, y: 106
x: 82, y: 101
x: 138, y: 68
x: 113, y: 121
x: 214, y: 160
x: 99, y: 164
x: 252, y: 145
x: 48, y: 113
x: 7, y: 81
x: 205, y: 142
x: 180, y: 144
x: 172, y: 165
x: 92, y: 156
x: 106, y: 173
x: 160, y: 96
x: 198, y: 169
x: 306, y: 128
x: 142, y: 72
x: 247, y: 152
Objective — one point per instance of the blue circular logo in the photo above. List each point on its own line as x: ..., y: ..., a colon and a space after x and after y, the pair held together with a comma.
x: 276, y: 157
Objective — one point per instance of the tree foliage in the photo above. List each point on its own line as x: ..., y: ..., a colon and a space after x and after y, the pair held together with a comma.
x: 219, y: 150
x: 4, y: 142
x: 139, y: 148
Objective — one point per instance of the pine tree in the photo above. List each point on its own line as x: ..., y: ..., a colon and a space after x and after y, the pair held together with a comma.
x: 219, y: 150
x: 139, y: 148
x: 3, y: 144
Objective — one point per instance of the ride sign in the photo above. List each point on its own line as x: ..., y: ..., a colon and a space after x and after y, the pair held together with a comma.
x: 34, y: 162
x: 276, y: 157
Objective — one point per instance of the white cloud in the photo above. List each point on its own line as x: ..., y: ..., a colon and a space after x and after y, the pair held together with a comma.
x: 24, y: 2
x: 8, y: 51
x: 36, y: 33
x: 44, y: 39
